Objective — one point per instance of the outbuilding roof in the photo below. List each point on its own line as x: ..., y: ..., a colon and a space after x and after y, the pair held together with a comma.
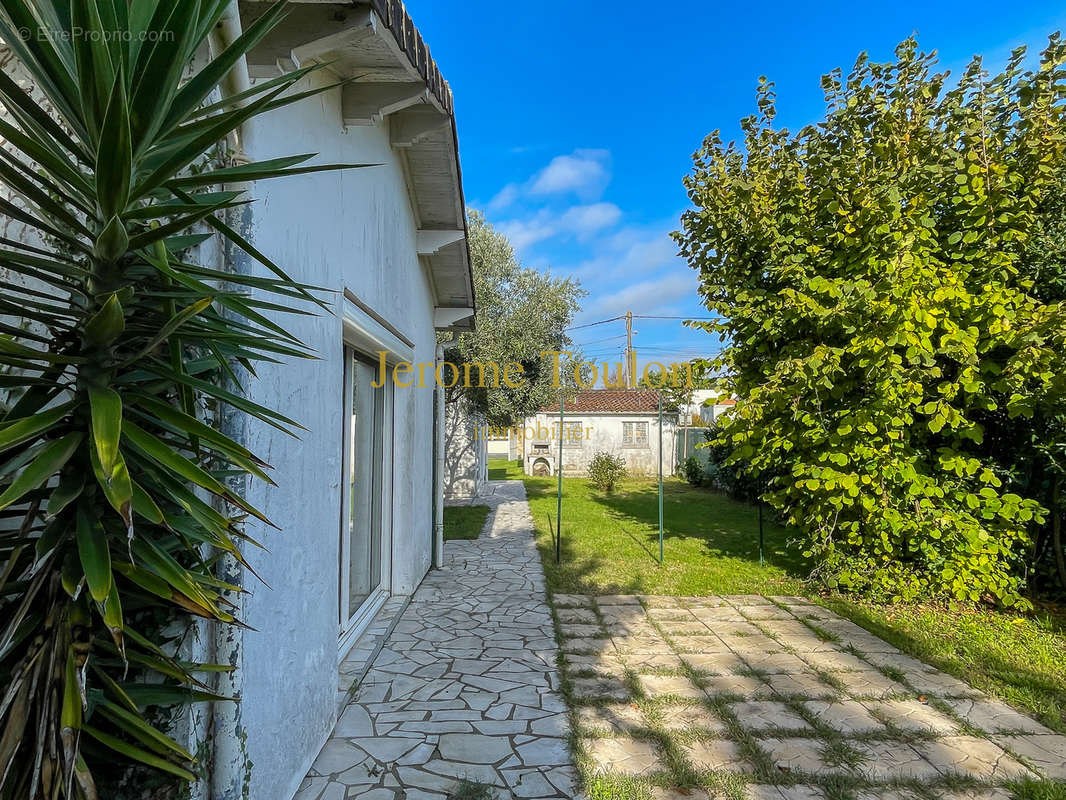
x: 611, y: 401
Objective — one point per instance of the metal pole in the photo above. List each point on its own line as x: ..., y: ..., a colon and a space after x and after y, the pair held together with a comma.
x: 559, y: 491
x: 760, y: 533
x: 630, y: 378
x: 660, y: 479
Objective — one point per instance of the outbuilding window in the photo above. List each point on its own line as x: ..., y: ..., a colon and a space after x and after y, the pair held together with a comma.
x: 635, y: 433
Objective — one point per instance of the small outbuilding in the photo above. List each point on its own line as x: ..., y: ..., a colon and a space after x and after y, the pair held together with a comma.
x: 622, y: 422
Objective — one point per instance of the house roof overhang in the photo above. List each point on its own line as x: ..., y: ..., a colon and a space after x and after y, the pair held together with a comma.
x: 392, y: 80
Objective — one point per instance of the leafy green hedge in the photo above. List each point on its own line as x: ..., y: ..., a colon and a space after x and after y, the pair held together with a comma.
x: 887, y: 280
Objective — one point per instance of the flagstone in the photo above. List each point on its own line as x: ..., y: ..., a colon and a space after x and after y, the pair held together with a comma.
x: 701, y: 644
x: 580, y: 615
x: 579, y: 631
x: 836, y: 661
x: 466, y: 684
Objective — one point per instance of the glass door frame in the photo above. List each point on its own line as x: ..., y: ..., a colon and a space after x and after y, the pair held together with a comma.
x: 353, y: 621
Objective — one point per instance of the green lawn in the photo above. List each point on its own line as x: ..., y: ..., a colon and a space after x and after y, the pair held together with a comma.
x: 610, y: 545
x: 464, y: 522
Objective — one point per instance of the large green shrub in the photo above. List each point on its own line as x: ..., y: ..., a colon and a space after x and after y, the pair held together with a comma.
x: 606, y: 470
x: 117, y: 496
x: 875, y: 274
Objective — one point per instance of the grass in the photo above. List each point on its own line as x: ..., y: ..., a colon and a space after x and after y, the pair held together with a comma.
x: 610, y: 546
x: 464, y: 522
x: 610, y: 542
x: 472, y: 790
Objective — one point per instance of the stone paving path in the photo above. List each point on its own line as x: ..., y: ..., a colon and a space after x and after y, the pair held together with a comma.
x: 466, y: 686
x: 741, y: 697
x: 758, y: 698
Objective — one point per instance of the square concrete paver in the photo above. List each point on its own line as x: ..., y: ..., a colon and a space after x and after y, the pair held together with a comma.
x: 623, y: 756
x: 892, y: 761
x: 614, y: 718
x: 737, y: 685
x: 1045, y: 752
x: 869, y: 683
x: 690, y: 718
x: 993, y: 716
x: 938, y: 684
x: 603, y: 664
x: 657, y: 686
x: 715, y: 663
x: 719, y: 755
x: 848, y: 717
x: 762, y: 715
x: 754, y: 655
x: 796, y: 755
x: 651, y: 662
x: 598, y: 689
x: 775, y: 663
x: 913, y: 716
x: 972, y: 757
x: 802, y: 684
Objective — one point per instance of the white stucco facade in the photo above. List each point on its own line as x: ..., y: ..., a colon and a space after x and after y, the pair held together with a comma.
x: 362, y: 235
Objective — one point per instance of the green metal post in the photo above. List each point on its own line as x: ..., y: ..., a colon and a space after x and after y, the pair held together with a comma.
x: 559, y: 492
x: 660, y: 479
x: 760, y: 533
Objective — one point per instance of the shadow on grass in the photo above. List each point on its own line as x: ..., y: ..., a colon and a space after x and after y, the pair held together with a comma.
x: 611, y: 541
x: 726, y: 527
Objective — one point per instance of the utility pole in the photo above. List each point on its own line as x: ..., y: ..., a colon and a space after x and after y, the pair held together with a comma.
x: 629, y: 350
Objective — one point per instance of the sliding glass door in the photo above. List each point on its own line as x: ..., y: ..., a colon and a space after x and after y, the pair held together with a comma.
x: 365, y: 433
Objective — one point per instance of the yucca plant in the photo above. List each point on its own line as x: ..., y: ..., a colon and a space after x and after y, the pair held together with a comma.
x: 114, y: 479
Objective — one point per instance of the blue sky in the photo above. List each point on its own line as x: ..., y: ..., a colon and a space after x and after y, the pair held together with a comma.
x: 577, y: 120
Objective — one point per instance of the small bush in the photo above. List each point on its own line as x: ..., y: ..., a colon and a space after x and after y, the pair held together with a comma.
x: 692, y: 469
x: 606, y: 470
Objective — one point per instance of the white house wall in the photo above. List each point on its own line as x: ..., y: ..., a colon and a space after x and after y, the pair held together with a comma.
x: 351, y: 230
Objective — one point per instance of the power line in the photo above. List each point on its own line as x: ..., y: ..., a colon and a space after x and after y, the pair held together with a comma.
x: 597, y: 341
x: 690, y: 319
x: 590, y: 324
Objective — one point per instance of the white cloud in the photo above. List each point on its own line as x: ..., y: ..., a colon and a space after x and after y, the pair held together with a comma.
x: 583, y: 172
x: 507, y: 195
x: 580, y: 221
x: 655, y: 296
x: 586, y: 220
